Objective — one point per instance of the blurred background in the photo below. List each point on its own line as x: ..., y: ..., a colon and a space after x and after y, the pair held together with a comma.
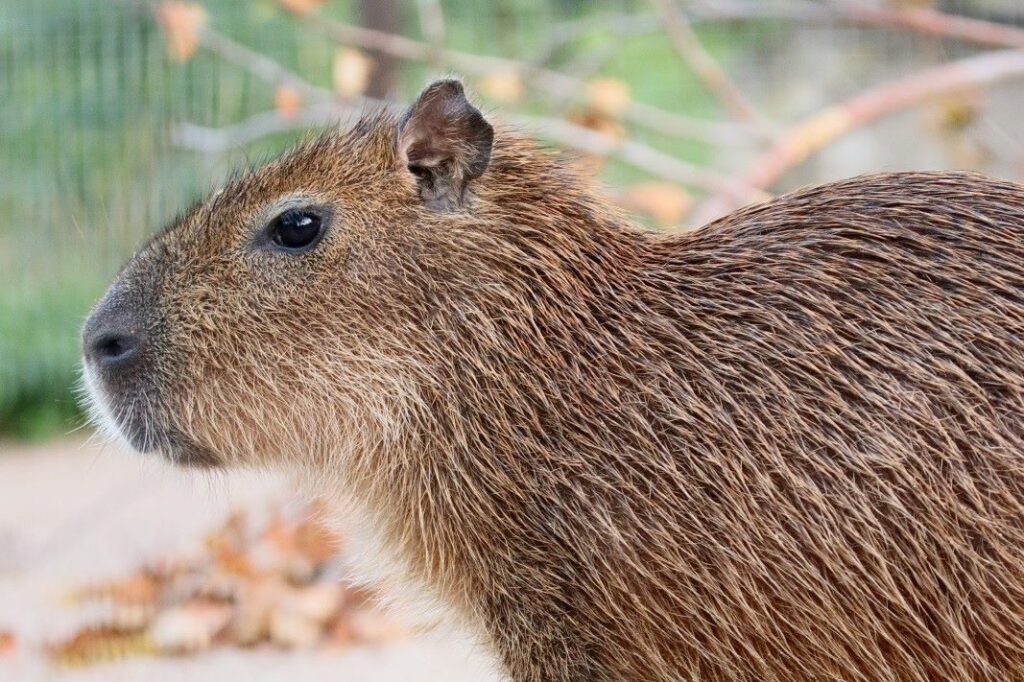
x: 116, y: 114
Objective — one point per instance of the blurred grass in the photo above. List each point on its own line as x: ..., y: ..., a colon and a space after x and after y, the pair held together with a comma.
x: 86, y: 99
x: 37, y: 342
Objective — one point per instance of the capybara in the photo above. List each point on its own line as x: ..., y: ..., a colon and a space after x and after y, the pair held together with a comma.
x: 786, y: 446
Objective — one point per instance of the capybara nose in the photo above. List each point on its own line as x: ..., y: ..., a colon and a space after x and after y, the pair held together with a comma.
x: 113, y: 340
x: 112, y: 348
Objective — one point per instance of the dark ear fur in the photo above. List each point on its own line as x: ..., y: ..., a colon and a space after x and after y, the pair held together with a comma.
x: 445, y: 142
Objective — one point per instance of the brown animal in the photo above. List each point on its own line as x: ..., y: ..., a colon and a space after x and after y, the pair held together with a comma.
x: 788, y: 446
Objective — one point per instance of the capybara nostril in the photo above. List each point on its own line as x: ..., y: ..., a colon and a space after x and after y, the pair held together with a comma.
x: 114, y: 349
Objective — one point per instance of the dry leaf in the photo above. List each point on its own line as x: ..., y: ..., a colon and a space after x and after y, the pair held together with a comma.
x: 233, y: 532
x: 242, y: 588
x: 181, y: 23
x: 231, y: 537
x: 598, y: 123
x: 339, y: 634
x: 503, y: 86
x: 7, y: 642
x: 608, y: 96
x: 97, y: 645
x: 665, y: 202
x: 300, y: 6
x: 318, y: 602
x: 132, y: 616
x: 139, y: 588
x: 287, y: 102
x: 590, y: 164
x: 350, y: 72
x: 956, y: 112
x: 235, y: 562
x: 957, y: 115
x: 293, y: 630
x: 255, y: 602
x: 190, y: 627
x: 277, y: 551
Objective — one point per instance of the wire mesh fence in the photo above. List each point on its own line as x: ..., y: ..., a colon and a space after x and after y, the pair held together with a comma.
x: 116, y: 115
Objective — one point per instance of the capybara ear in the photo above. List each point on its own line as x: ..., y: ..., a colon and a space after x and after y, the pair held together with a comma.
x: 445, y: 142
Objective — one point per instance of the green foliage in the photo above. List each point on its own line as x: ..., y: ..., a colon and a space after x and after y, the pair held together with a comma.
x: 39, y: 357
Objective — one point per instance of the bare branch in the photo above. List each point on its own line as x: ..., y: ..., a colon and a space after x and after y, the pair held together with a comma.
x: 564, y: 133
x: 432, y: 23
x: 258, y: 64
x: 713, y: 133
x: 917, y: 19
x: 219, y: 140
x: 703, y: 65
x: 811, y: 135
x: 553, y: 82
x: 563, y: 33
x: 635, y: 154
x: 932, y: 22
x: 326, y: 111
x: 653, y: 118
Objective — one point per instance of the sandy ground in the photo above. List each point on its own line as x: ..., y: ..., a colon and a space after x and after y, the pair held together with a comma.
x: 72, y: 512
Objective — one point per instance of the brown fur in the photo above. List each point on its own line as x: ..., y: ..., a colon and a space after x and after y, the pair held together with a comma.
x: 788, y: 446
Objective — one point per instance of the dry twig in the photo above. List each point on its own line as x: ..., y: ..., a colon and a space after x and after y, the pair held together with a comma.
x: 258, y: 64
x: 219, y: 140
x: 932, y: 22
x: 703, y: 65
x: 916, y: 19
x: 432, y: 24
x: 638, y: 155
x: 814, y: 133
x: 791, y: 148
x: 559, y: 84
x: 564, y: 133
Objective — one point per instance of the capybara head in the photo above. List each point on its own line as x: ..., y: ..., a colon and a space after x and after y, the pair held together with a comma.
x: 283, y: 316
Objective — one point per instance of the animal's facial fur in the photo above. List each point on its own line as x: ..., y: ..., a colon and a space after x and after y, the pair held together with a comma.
x: 247, y: 352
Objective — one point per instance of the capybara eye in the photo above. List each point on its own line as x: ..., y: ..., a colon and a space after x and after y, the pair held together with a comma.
x: 295, y: 229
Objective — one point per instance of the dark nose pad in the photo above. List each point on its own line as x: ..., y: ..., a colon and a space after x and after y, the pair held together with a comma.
x: 113, y: 339
x: 112, y: 349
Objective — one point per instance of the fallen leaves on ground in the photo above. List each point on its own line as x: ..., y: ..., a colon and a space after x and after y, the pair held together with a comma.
x: 279, y: 585
x: 98, y: 644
